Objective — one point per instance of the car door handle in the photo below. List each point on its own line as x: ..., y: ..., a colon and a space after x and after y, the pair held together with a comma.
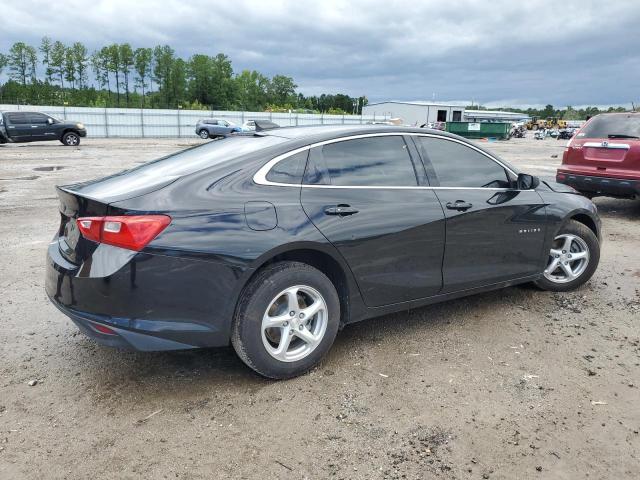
x: 341, y: 210
x: 460, y: 205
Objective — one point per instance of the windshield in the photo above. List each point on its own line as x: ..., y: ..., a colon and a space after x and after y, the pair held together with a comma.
x: 613, y: 126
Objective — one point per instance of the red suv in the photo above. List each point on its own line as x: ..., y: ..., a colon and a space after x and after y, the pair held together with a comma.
x: 603, y: 158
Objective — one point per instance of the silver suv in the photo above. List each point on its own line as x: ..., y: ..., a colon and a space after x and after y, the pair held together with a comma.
x: 215, y: 127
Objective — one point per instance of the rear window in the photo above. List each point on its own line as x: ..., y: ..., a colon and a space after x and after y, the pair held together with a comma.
x: 612, y: 126
x: 166, y: 169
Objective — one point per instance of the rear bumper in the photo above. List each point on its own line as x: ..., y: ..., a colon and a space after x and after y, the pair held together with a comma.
x: 615, y: 187
x: 150, y: 302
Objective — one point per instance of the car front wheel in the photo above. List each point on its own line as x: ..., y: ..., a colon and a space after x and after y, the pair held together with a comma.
x: 70, y: 139
x: 204, y: 134
x: 573, y: 258
x: 286, y: 320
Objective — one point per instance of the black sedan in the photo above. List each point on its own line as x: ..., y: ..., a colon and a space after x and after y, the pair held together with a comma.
x: 275, y: 240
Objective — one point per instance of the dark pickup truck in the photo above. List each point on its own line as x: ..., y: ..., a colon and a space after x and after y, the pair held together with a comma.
x: 20, y: 127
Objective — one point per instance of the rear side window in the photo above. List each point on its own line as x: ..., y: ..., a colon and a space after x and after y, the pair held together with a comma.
x: 612, y: 126
x: 372, y: 161
x: 456, y: 165
x: 18, y: 118
x: 289, y: 170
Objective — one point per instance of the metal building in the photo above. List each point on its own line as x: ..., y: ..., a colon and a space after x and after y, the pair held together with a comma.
x: 494, y: 116
x: 415, y: 113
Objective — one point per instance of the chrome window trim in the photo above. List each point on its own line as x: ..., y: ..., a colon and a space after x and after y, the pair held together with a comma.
x: 260, y: 177
x: 605, y: 144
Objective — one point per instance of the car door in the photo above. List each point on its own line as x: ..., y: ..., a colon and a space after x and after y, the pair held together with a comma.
x: 18, y: 126
x: 363, y: 195
x: 494, y: 232
x: 40, y: 129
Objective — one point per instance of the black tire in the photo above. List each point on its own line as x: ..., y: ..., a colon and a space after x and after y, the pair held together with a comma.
x: 246, y: 333
x: 204, y: 134
x: 70, y: 139
x: 583, y: 232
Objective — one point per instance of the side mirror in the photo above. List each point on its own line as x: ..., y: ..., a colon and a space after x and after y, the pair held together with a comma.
x: 50, y: 121
x: 527, y: 182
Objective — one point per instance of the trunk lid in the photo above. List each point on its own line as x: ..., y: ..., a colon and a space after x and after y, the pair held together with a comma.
x: 604, y: 156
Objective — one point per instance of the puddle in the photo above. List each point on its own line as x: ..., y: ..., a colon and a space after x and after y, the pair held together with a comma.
x: 54, y: 168
x: 30, y: 177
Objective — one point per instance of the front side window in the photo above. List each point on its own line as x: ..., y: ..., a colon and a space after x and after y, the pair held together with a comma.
x: 456, y: 165
x: 371, y: 161
x: 38, y: 118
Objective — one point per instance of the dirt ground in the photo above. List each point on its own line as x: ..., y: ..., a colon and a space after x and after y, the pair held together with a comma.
x: 511, y: 384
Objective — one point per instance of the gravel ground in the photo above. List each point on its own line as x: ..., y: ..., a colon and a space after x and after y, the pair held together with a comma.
x: 511, y: 384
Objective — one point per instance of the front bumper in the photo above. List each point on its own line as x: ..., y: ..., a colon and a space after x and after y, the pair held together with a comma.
x: 149, y: 302
x: 615, y: 187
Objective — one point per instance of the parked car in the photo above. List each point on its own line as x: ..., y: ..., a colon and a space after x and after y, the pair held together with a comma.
x: 249, y: 126
x: 215, y: 128
x: 258, y: 125
x: 540, y: 134
x: 566, y: 133
x: 603, y: 157
x: 21, y: 127
x: 274, y: 241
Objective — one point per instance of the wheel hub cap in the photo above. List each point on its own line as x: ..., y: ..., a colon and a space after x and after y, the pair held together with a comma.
x: 568, y: 259
x: 294, y: 323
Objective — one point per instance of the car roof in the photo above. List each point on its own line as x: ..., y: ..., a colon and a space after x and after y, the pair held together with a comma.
x: 326, y: 132
x: 318, y: 133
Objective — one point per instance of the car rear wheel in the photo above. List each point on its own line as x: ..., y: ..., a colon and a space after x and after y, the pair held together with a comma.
x: 573, y: 258
x: 204, y: 134
x: 286, y: 320
x: 70, y: 139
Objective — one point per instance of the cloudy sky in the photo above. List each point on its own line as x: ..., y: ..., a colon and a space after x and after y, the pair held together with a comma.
x: 515, y: 52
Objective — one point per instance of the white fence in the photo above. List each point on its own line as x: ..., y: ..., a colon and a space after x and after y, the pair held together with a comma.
x: 132, y: 122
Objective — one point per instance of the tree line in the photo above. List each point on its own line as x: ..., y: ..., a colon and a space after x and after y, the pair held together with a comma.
x: 549, y: 111
x: 119, y: 75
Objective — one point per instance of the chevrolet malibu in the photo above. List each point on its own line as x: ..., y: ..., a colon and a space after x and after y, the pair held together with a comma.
x: 273, y: 241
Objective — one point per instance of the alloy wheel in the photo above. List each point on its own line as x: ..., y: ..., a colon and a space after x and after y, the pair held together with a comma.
x: 568, y: 259
x: 294, y: 323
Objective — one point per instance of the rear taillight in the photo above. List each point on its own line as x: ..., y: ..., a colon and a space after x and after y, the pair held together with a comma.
x: 132, y: 232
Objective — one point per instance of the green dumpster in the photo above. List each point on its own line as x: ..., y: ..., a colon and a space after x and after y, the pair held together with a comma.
x: 480, y: 129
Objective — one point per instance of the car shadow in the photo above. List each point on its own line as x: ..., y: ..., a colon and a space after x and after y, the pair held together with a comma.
x: 192, y: 373
x: 618, y: 208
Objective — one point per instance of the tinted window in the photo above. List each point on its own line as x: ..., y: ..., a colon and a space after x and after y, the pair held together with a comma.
x: 612, y: 126
x: 373, y: 161
x: 188, y: 161
x: 17, y: 118
x: 457, y: 165
x: 289, y: 170
x: 38, y: 118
